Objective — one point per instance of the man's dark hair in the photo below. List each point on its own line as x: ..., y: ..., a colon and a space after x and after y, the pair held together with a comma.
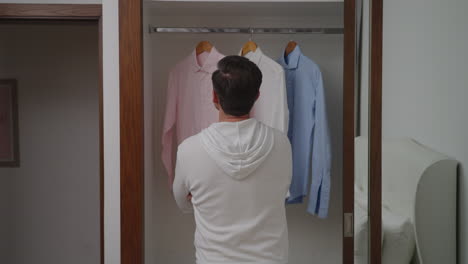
x: 236, y: 83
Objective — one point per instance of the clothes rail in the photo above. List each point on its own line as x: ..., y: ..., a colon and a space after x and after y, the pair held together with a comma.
x: 155, y: 29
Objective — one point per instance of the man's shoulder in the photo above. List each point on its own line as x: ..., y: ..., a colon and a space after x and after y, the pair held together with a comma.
x: 190, y: 146
x: 280, y: 138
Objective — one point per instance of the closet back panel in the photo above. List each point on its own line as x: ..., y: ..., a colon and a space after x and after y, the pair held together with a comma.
x: 168, y: 232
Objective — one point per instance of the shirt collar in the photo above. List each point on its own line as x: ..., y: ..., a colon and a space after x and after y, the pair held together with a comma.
x: 254, y: 56
x: 210, y: 64
x: 292, y: 60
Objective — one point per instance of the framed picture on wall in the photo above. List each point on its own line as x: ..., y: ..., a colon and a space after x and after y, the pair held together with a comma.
x: 9, y: 137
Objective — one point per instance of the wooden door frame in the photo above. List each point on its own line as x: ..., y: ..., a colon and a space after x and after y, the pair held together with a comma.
x: 132, y: 128
x: 375, y: 126
x: 375, y: 131
x: 57, y: 13
x: 349, y: 83
x: 131, y: 132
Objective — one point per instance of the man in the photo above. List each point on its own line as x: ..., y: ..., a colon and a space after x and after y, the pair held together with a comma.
x: 235, y: 176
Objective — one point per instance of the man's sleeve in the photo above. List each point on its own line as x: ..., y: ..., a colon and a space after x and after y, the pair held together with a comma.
x: 181, y: 185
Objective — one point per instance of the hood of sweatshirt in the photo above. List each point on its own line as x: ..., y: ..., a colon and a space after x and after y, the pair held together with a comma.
x: 238, y: 148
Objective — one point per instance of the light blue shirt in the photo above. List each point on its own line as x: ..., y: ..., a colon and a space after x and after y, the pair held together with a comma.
x: 308, y: 132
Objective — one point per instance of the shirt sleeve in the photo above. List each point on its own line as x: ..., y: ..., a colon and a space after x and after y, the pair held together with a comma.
x: 169, y: 128
x: 181, y: 187
x: 283, y: 104
x: 289, y: 166
x: 321, y: 155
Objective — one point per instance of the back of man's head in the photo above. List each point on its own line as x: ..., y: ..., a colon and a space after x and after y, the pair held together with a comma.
x: 237, y: 84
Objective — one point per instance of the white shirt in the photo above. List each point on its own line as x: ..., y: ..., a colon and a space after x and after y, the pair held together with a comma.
x: 238, y: 174
x: 271, y: 107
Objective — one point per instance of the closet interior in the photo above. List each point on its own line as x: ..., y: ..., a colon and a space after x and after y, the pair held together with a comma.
x: 271, y: 25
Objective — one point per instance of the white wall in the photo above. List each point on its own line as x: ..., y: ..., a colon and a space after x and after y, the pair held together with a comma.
x: 6, y: 212
x: 150, y: 253
x: 52, y: 1
x: 55, y: 191
x: 169, y: 234
x: 364, y: 72
x: 425, y: 79
x: 6, y: 195
x: 110, y: 25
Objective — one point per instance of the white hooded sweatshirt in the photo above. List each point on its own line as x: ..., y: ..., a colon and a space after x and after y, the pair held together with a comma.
x: 238, y: 174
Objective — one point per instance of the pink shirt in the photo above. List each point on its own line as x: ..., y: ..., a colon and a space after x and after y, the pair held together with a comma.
x: 189, y: 104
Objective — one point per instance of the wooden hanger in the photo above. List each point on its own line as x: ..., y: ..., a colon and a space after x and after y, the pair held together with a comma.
x: 203, y: 46
x: 250, y: 46
x: 290, y: 47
